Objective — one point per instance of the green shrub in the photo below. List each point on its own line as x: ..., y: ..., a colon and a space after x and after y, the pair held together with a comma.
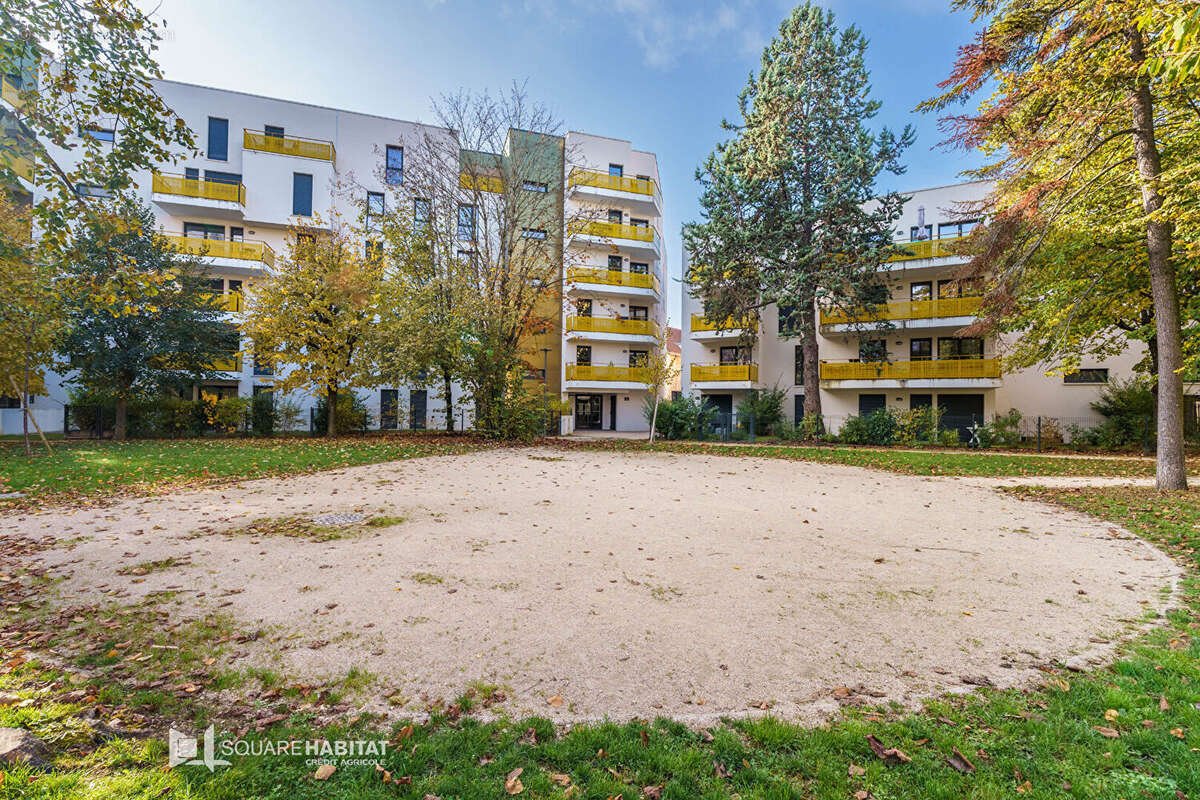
x: 520, y: 414
x: 765, y: 407
x: 352, y: 414
x: 877, y: 428
x: 181, y: 418
x: 681, y: 418
x: 226, y: 414
x: 1004, y: 430
x: 1128, y: 407
x: 916, y: 425
x: 263, y: 416
x: 948, y: 437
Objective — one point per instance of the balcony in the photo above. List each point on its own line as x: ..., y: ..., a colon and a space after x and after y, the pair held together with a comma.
x: 633, y: 238
x: 298, y: 146
x: 732, y: 376
x: 703, y: 328
x: 223, y: 250
x: 860, y: 374
x: 642, y: 193
x: 232, y: 301
x: 230, y: 364
x: 611, y: 329
x: 911, y: 311
x: 586, y: 373
x: 930, y: 248
x: 179, y: 194
x: 493, y: 184
x: 20, y: 163
x: 637, y: 284
x: 10, y: 92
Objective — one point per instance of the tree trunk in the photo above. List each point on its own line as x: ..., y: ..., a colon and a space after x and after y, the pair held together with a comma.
x: 122, y: 416
x: 1172, y: 466
x: 448, y: 395
x: 811, y: 363
x: 331, y: 396
x: 25, y: 403
x: 654, y: 419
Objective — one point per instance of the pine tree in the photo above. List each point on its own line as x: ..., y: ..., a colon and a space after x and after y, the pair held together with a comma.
x: 791, y: 215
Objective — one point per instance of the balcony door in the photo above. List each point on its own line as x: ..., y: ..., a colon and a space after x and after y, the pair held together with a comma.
x: 589, y: 411
x: 417, y: 400
x: 583, y: 355
x: 389, y: 404
x: 583, y: 307
x: 734, y: 355
x: 920, y: 350
x: 639, y: 312
x: 920, y: 290
x: 953, y: 347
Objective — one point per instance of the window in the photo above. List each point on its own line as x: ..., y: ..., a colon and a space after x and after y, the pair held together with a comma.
x: 615, y: 263
x: 222, y: 177
x: 373, y: 251
x: 639, y: 267
x: 234, y: 286
x: 236, y: 234
x: 191, y: 173
x: 954, y: 347
x: 616, y: 169
x: 734, y: 355
x: 639, y: 312
x: 302, y: 194
x: 393, y: 172
x: 202, y: 230
x: 799, y: 380
x: 921, y: 290
x: 98, y: 133
x: 872, y: 350
x: 920, y: 349
x: 273, y: 130
x: 535, y: 186
x: 305, y: 240
x: 950, y: 289
x: 1092, y: 375
x: 789, y: 322
x: 645, y: 178
x: 583, y: 355
x: 466, y: 222
x: 533, y: 233
x: 918, y: 233
x: 466, y: 255
x: 262, y: 365
x: 952, y: 230
x: 639, y: 223
x: 218, y: 139
x: 375, y: 207
x: 421, y: 210
x: 615, y: 215
x: 639, y: 358
x: 88, y: 190
x: 583, y: 307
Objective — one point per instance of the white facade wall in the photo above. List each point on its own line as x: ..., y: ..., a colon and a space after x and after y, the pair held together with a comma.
x: 1031, y: 391
x: 620, y: 396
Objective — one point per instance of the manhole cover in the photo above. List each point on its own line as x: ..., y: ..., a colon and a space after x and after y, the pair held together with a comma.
x: 339, y: 519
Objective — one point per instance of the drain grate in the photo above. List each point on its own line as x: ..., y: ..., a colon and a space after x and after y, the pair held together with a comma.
x: 344, y: 518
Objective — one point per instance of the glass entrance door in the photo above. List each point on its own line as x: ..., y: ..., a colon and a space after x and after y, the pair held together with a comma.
x: 589, y: 411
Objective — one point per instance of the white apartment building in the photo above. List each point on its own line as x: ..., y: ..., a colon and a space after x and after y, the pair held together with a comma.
x: 928, y: 363
x: 267, y: 164
x: 615, y: 305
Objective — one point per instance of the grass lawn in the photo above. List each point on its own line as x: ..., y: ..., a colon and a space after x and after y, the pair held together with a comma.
x: 911, y: 462
x: 90, y: 468
x: 1131, y: 731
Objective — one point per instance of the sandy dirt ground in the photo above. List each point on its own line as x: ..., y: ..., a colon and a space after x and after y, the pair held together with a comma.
x: 635, y: 585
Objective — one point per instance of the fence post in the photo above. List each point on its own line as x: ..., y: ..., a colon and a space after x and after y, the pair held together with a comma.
x: 66, y: 420
x: 752, y: 427
x: 1039, y: 432
x: 1146, y: 437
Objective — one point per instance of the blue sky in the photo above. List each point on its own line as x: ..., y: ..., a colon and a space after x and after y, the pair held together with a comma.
x: 662, y: 73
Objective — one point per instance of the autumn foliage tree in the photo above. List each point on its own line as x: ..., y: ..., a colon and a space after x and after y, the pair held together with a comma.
x: 314, y: 317
x: 1092, y: 223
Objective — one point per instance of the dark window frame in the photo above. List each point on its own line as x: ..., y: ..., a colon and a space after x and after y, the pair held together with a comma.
x: 393, y: 173
x: 222, y: 153
x: 1087, y: 376
x: 298, y: 183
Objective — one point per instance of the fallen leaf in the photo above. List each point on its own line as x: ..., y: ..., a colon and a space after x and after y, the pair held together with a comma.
x: 324, y: 771
x: 888, y: 754
x: 1111, y: 715
x: 383, y: 774
x: 1177, y: 733
x: 959, y: 761
x: 1163, y: 705
x: 555, y: 701
x: 1107, y: 733
x: 652, y: 792
x: 1027, y: 786
x: 855, y: 771
x: 719, y: 769
x: 512, y: 783
x: 560, y: 778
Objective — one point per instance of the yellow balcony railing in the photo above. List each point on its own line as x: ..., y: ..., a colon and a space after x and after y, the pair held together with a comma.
x: 10, y: 92
x: 699, y: 323
x: 612, y: 277
x: 634, y: 327
x: 618, y: 183
x: 930, y: 248
x: 218, y: 248
x: 725, y: 372
x: 230, y: 364
x: 910, y: 370
x: 484, y: 183
x: 614, y: 230
x: 587, y: 372
x: 300, y: 146
x: 198, y: 187
x: 911, y: 309
x: 18, y: 163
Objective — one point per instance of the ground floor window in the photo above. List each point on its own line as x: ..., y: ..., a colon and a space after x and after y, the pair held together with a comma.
x: 870, y: 403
